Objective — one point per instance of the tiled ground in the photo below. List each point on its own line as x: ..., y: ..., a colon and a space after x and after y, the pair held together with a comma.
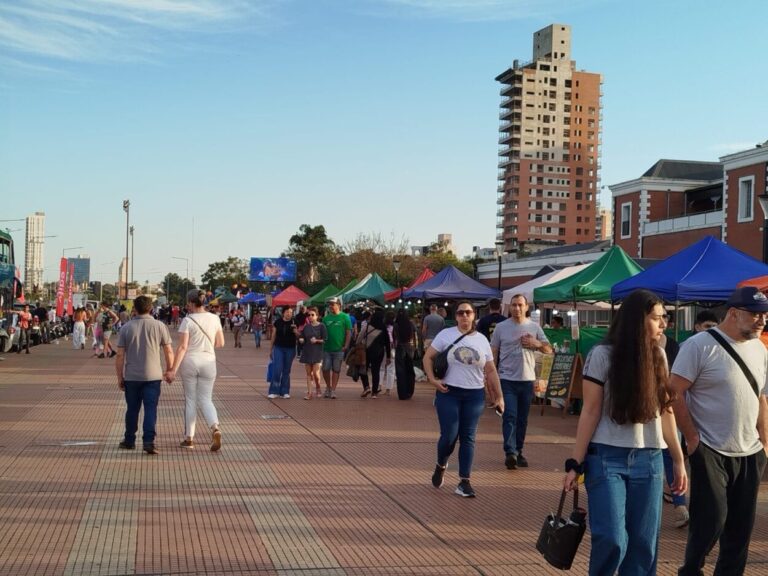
x: 311, y: 488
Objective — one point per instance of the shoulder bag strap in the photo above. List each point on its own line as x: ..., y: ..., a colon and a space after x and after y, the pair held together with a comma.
x: 203, y: 331
x: 456, y: 342
x: 728, y: 348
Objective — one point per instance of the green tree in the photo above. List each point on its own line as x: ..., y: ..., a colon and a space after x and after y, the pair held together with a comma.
x: 439, y: 260
x: 313, y: 251
x: 175, y: 287
x: 231, y: 271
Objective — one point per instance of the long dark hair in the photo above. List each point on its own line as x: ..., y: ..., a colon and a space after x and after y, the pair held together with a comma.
x: 403, y: 326
x: 638, y: 376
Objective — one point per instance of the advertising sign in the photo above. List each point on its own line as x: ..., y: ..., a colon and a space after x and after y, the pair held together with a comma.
x: 272, y: 270
x: 61, y: 288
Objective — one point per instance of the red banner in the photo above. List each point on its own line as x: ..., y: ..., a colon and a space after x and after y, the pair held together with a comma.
x: 61, y: 288
x: 71, y: 289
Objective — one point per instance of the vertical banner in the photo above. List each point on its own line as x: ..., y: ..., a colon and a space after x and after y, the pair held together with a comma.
x: 60, y: 289
x: 71, y: 289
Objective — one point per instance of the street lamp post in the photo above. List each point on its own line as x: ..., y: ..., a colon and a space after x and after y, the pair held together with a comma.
x: 127, y: 208
x: 63, y: 250
x: 132, y: 253
x: 396, y: 265
x: 187, y: 276
x: 763, y: 199
x: 499, y: 254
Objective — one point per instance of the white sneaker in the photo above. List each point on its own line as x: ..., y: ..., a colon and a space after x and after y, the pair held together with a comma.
x: 270, y: 396
x: 681, y: 517
x: 286, y: 395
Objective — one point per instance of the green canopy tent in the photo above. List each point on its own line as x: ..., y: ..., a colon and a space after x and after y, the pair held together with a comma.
x: 374, y: 288
x: 319, y: 298
x: 593, y: 284
x: 351, y: 284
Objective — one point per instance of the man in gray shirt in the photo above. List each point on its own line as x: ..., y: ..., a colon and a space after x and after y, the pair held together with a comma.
x: 431, y: 326
x: 724, y: 419
x: 140, y: 371
x: 513, y: 343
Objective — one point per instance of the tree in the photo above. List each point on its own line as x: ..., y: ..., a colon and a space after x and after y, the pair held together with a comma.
x: 231, y: 271
x: 176, y: 287
x: 313, y: 251
x: 439, y: 260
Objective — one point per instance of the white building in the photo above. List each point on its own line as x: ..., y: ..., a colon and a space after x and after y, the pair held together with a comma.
x: 33, y: 251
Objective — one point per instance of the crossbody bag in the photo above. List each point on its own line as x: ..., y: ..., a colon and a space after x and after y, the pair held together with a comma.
x: 728, y: 348
x: 204, y: 332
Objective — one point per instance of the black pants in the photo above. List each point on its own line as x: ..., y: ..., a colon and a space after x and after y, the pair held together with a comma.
x: 23, y: 340
x: 722, y: 507
x: 373, y: 359
x: 406, y: 378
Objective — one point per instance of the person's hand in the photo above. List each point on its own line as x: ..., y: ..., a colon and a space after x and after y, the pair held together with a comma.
x: 497, y: 404
x: 120, y: 384
x: 571, y: 481
x: 692, y: 444
x: 680, y: 483
x: 528, y: 341
x: 170, y: 376
x: 439, y: 385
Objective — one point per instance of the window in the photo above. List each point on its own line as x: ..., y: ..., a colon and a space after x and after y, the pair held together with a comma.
x: 626, y: 216
x: 746, y: 199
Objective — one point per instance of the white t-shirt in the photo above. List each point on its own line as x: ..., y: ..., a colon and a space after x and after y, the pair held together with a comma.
x: 721, y: 402
x: 516, y: 362
x: 629, y: 435
x: 202, y: 337
x: 467, y: 358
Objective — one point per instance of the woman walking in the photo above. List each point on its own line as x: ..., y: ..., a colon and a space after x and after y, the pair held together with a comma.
x: 460, y: 395
x: 405, y: 337
x: 377, y: 352
x: 625, y: 422
x: 312, y: 337
x: 200, y: 334
x: 282, y: 354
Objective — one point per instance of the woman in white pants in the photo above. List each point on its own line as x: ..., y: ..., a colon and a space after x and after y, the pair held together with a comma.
x: 195, y: 361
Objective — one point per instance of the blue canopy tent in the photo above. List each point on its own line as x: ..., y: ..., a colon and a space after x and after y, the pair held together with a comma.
x: 253, y: 298
x: 707, y: 271
x: 452, y: 283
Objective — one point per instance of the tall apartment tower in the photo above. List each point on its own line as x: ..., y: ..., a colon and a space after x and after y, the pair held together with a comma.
x: 33, y: 251
x: 549, y: 158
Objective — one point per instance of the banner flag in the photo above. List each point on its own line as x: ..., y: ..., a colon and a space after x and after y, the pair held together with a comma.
x: 71, y: 289
x: 60, y: 289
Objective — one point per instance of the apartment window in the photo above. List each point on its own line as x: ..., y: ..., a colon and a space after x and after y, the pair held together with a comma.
x: 626, y: 217
x: 746, y: 199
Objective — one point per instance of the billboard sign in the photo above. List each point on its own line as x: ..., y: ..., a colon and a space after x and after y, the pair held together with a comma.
x: 272, y: 270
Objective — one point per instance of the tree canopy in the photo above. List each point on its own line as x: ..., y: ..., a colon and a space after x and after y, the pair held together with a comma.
x: 231, y: 271
x: 313, y: 251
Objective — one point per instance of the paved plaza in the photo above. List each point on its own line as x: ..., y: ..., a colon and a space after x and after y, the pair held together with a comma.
x: 321, y: 487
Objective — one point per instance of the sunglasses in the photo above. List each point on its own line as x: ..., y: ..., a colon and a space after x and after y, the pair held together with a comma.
x: 464, y: 312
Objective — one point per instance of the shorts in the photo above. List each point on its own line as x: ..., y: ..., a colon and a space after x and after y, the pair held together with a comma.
x: 332, y: 361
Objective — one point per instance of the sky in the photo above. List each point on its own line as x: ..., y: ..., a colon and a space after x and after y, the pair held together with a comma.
x: 230, y: 123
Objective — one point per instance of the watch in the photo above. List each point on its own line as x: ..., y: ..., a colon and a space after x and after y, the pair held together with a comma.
x: 572, y: 464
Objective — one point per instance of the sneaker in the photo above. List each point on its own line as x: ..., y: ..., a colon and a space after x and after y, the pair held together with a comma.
x: 216, y: 441
x: 333, y: 395
x: 366, y: 392
x: 681, y: 517
x: 464, y: 489
x: 438, y: 476
x: 271, y: 396
x: 125, y: 446
x: 187, y: 443
x: 327, y: 393
x: 510, y: 462
x: 374, y: 396
x: 150, y: 449
x: 286, y: 396
x: 112, y: 354
x: 521, y: 461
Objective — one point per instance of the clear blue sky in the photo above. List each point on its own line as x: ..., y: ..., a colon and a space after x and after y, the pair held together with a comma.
x: 253, y: 117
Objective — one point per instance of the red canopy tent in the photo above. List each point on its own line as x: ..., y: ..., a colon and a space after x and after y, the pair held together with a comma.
x: 425, y: 275
x: 290, y: 297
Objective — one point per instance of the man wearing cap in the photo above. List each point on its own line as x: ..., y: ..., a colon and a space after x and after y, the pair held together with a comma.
x: 339, y: 331
x: 724, y: 418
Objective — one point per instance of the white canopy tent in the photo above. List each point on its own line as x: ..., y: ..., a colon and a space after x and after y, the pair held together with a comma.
x: 527, y: 288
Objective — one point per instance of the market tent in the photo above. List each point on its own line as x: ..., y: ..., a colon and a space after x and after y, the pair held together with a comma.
x: 707, y: 271
x: 319, y: 298
x: 452, y: 283
x: 253, y: 298
x: 425, y: 275
x: 289, y: 297
x: 351, y: 284
x: 527, y: 288
x: 373, y: 288
x: 761, y: 283
x: 593, y: 283
x: 227, y: 298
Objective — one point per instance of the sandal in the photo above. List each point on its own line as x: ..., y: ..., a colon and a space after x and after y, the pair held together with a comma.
x: 308, y: 397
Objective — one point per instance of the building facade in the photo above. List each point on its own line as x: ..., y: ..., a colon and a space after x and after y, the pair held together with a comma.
x: 33, y: 251
x: 82, y: 266
x: 549, y: 155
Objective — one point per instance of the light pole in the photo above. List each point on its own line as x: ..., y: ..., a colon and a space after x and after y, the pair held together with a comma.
x: 499, y: 254
x: 396, y: 265
x: 127, y: 208
x: 763, y: 199
x: 132, y: 252
x: 187, y: 276
x: 63, y: 250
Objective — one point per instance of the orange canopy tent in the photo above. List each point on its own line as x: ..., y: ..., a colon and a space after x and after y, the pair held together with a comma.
x: 290, y: 297
x: 426, y: 274
x: 761, y: 283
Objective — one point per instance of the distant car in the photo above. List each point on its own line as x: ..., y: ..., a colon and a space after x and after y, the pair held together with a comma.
x: 9, y: 332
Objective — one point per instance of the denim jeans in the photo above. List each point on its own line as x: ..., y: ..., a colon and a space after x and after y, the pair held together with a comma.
x: 517, y: 403
x: 257, y: 337
x: 137, y: 394
x: 458, y: 412
x: 282, y: 358
x: 625, y: 488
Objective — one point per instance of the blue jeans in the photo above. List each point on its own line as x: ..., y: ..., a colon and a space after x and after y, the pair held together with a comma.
x: 136, y: 394
x: 282, y: 358
x: 458, y: 412
x: 514, y: 423
x: 625, y: 488
x: 257, y: 337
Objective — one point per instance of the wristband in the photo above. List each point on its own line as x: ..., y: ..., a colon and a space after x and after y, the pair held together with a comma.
x: 572, y: 464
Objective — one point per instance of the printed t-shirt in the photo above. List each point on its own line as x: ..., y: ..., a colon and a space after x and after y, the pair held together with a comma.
x: 467, y: 358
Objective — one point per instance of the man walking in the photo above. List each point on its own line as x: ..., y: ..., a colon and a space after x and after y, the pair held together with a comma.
x: 25, y: 321
x: 513, y: 344
x: 487, y: 324
x: 339, y: 331
x: 719, y: 380
x: 140, y: 372
x: 431, y: 326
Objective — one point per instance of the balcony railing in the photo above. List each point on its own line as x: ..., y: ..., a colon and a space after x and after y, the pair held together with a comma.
x: 701, y: 220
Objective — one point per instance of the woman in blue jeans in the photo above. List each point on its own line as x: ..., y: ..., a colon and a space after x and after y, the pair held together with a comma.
x: 625, y: 422
x: 282, y: 354
x: 460, y: 395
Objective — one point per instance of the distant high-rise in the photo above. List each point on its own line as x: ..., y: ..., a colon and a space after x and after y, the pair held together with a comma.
x: 33, y: 251
x: 82, y: 266
x: 550, y: 147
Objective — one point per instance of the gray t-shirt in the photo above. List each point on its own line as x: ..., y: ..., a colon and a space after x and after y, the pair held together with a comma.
x: 516, y: 362
x: 433, y: 323
x: 628, y: 435
x: 143, y: 339
x: 721, y: 402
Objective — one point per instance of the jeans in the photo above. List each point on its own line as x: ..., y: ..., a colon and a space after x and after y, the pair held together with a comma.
x: 458, y: 412
x: 23, y: 339
x: 517, y: 403
x: 282, y: 358
x: 723, y: 500
x: 669, y: 476
x: 136, y: 394
x: 257, y: 337
x: 625, y: 492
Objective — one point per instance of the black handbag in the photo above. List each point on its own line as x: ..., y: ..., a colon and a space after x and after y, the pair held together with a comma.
x: 560, y: 537
x: 440, y: 362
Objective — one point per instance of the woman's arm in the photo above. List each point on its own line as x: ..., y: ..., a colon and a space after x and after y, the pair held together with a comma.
x: 429, y: 356
x: 181, y: 350
x: 669, y: 431
x: 591, y: 413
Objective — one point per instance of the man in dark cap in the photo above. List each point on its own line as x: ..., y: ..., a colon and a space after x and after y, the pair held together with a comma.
x: 719, y: 379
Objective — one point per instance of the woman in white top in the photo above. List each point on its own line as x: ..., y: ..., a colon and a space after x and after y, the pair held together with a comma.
x: 625, y: 422
x: 199, y: 334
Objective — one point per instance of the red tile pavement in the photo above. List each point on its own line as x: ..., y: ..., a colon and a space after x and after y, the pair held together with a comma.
x: 320, y: 487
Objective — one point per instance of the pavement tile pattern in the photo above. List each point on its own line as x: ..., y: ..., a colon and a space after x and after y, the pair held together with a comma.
x: 310, y: 488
